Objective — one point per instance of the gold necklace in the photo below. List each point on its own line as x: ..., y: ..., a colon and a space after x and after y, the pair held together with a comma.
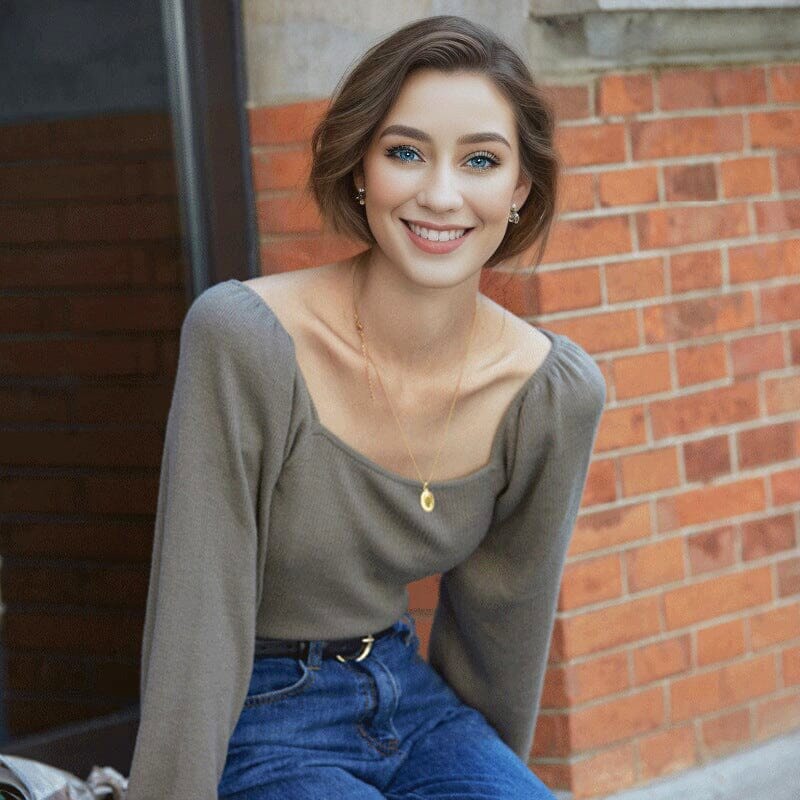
x: 426, y: 498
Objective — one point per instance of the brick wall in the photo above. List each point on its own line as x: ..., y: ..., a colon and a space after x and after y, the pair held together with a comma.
x: 676, y: 264
x: 91, y: 303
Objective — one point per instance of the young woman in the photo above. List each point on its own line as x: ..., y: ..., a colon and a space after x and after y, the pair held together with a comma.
x: 337, y: 433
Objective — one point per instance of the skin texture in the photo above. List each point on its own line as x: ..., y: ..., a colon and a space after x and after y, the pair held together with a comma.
x: 418, y: 306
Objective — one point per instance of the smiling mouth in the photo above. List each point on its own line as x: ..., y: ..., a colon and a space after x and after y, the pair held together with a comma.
x: 432, y: 235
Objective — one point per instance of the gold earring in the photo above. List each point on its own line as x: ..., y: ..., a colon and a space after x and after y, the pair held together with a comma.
x: 361, y: 195
x: 513, y: 215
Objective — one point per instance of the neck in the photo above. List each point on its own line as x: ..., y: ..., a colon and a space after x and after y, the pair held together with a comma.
x: 413, y: 331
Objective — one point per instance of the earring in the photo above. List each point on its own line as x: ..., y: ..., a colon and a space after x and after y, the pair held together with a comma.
x: 361, y: 195
x: 513, y: 215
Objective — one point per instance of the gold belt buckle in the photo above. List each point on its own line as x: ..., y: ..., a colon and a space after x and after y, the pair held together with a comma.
x: 368, y: 640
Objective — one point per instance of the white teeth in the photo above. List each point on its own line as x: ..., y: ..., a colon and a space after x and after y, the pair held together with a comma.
x: 437, y: 236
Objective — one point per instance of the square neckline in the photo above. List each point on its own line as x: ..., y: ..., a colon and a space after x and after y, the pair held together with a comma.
x: 494, y: 455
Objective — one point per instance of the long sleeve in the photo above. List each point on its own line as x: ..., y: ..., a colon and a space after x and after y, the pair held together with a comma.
x: 223, y: 444
x: 492, y: 625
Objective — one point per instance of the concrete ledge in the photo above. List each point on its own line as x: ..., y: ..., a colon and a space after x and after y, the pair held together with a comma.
x: 769, y: 770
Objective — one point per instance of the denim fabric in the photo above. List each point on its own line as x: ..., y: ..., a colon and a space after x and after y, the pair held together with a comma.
x: 385, y: 727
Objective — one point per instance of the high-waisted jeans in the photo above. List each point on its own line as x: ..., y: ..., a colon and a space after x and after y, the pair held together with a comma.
x: 385, y: 727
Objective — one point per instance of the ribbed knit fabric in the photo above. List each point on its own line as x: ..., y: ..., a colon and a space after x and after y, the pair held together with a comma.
x: 270, y: 525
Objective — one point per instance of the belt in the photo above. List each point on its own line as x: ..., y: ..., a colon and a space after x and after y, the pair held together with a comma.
x: 355, y: 649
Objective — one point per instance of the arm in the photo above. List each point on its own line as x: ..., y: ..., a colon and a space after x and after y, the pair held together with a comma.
x: 199, y: 630
x: 492, y: 626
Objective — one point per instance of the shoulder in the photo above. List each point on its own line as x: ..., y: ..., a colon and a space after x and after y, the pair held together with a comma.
x: 568, y: 380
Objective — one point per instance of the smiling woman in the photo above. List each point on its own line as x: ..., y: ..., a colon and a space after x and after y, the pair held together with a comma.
x: 279, y: 657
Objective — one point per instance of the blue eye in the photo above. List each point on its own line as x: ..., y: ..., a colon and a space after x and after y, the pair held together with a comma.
x: 400, y: 152
x: 489, y: 160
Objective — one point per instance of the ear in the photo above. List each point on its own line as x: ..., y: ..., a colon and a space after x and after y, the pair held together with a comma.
x: 522, y: 190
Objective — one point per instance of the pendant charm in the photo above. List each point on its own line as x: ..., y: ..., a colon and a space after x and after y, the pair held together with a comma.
x: 426, y: 498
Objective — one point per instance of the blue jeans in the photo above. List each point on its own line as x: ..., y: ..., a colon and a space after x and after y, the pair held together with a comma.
x: 385, y: 727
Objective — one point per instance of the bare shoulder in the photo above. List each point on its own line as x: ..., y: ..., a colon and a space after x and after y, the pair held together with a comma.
x: 523, y: 346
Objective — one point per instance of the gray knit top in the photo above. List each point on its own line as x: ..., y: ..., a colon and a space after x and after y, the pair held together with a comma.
x: 270, y: 525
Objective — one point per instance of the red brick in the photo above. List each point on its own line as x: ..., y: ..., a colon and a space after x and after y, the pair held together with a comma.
x: 785, y: 486
x: 742, y: 177
x: 711, y: 88
x: 780, y: 303
x: 690, y: 182
x: 667, y: 751
x: 756, y: 262
x: 615, y: 526
x: 597, y: 630
x: 686, y: 136
x: 285, y: 124
x: 627, y: 187
x: 790, y: 666
x: 770, y: 129
x: 569, y: 102
x: 292, y: 213
x: 711, y: 550
x: 281, y: 169
x: 577, y: 191
x: 282, y: 255
x: 702, y: 316
x: 775, y: 216
x: 720, y: 642
x: 768, y: 444
x: 776, y: 625
x: 710, y: 504
x: 707, y: 458
x: 777, y: 715
x: 600, y: 483
x: 621, y: 427
x: 649, y: 471
x: 597, y: 677
x: 588, y: 238
x: 701, y: 269
x: 552, y: 735
x: 625, y: 94
x: 655, y: 564
x: 788, y: 577
x: 765, y: 537
x: 600, y: 333
x: 716, y: 596
x: 635, y: 376
x: 751, y: 355
x: 563, y: 289
x: 726, y: 731
x: 670, y: 227
x: 781, y: 394
x: 617, y: 719
x: 635, y: 280
x: 590, y: 581
x: 604, y: 772
x: 701, y: 363
x: 582, y: 145
x: 788, y: 171
x: 667, y: 657
x: 705, y: 409
x: 721, y: 688
x: 785, y: 83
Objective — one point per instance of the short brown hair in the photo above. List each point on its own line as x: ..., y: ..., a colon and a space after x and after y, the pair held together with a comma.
x: 365, y: 95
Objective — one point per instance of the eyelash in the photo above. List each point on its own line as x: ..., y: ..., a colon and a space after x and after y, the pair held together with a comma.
x: 493, y: 160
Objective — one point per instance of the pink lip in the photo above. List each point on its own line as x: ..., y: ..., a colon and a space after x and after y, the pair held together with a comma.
x: 436, y: 247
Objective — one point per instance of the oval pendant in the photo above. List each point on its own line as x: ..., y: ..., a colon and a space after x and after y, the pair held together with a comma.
x: 426, y: 499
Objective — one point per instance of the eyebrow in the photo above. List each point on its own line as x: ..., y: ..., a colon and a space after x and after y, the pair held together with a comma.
x: 467, y: 138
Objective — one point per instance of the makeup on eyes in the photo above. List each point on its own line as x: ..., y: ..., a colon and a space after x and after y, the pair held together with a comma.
x: 494, y: 160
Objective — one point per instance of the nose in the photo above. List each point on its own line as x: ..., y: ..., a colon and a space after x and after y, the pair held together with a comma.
x: 440, y: 191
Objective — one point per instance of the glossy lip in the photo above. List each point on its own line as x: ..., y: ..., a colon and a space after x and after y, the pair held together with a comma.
x: 436, y: 247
